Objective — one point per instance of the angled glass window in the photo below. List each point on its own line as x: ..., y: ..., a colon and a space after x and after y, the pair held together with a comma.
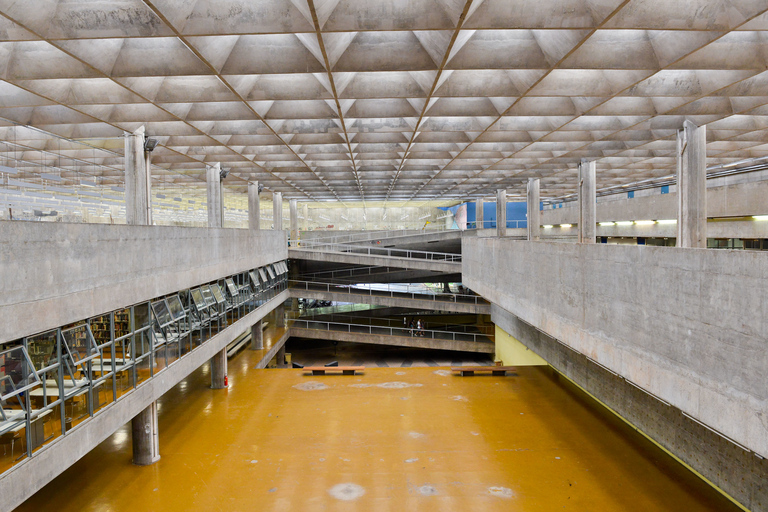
x: 162, y: 313
x: 199, y: 302
x: 79, y: 344
x: 263, y: 276
x: 254, y: 281
x: 231, y: 287
x: 175, y: 307
x: 270, y: 271
x: 208, y: 295
x: 16, y: 372
x: 217, y: 295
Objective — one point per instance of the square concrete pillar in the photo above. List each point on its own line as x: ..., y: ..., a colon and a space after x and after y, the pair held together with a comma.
x: 138, y: 181
x: 215, y: 206
x: 219, y: 370
x: 501, y: 213
x: 587, y: 203
x: 277, y: 210
x: 257, y: 336
x: 305, y: 213
x: 293, y: 213
x: 254, y: 205
x: 692, y: 186
x: 479, y: 222
x: 145, y: 436
x: 534, y: 215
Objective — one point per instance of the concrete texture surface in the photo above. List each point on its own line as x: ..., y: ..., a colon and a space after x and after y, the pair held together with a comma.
x: 737, y: 472
x: 52, y: 274
x: 688, y: 325
x: 370, y: 260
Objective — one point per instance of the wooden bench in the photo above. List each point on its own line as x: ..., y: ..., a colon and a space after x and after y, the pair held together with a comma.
x: 495, y: 370
x: 346, y: 370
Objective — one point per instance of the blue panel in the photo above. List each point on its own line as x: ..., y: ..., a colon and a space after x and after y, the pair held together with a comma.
x: 665, y: 189
x: 631, y: 194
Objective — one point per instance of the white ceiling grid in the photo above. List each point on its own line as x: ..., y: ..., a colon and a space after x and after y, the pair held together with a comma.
x: 348, y: 100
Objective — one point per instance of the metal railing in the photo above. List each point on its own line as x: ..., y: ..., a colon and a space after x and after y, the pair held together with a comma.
x: 388, y: 322
x: 381, y: 251
x: 390, y: 331
x: 375, y: 235
x: 390, y: 291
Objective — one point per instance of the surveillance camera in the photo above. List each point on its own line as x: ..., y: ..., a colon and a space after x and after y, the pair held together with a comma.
x: 224, y: 173
x: 261, y: 187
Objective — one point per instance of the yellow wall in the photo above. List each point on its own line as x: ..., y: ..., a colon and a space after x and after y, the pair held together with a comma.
x: 513, y: 353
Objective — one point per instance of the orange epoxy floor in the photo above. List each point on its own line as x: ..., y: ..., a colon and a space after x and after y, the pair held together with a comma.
x: 392, y: 439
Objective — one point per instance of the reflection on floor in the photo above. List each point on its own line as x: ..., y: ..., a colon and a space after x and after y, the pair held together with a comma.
x: 320, y: 352
x: 391, y: 439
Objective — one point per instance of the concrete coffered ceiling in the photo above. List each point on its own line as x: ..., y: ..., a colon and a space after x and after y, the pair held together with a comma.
x: 390, y: 99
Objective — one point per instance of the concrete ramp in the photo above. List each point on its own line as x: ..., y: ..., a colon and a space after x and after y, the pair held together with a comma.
x: 374, y: 256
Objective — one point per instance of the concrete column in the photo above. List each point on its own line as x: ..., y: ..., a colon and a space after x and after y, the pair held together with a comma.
x: 281, y: 357
x: 587, y: 203
x: 257, y: 336
x: 219, y: 369
x: 305, y: 213
x: 146, y: 441
x: 280, y: 316
x: 138, y: 183
x: 293, y: 211
x: 501, y: 213
x: 254, y: 213
x: 277, y: 210
x: 534, y: 214
x: 215, y: 207
x: 479, y: 221
x: 692, y: 186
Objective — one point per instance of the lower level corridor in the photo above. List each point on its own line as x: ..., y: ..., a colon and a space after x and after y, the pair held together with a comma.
x: 413, y: 438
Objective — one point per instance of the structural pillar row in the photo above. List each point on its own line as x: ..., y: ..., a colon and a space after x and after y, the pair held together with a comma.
x: 145, y: 436
x: 479, y: 221
x: 138, y: 181
x: 587, y: 203
x: 257, y: 336
x: 293, y: 212
x: 501, y: 213
x: 254, y: 205
x: 534, y: 214
x: 692, y: 186
x: 215, y: 206
x: 277, y: 210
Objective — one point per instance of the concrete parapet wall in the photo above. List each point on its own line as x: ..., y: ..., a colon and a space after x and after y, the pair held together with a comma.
x: 52, y: 274
x: 395, y: 341
x: 738, y: 473
x: 687, y: 325
x: 374, y: 261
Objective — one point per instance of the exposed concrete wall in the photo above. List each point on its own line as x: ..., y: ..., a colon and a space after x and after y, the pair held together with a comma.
x: 737, y: 472
x: 688, y: 325
x: 715, y: 229
x: 52, y: 274
x: 32, y: 474
x: 737, y: 200
x: 394, y: 341
x: 377, y: 261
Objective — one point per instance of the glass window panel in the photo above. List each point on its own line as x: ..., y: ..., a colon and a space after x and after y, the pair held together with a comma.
x: 16, y: 372
x: 141, y: 315
x: 101, y: 329
x: 160, y: 308
x: 175, y: 306
x: 199, y: 300
x: 217, y: 294
x: 270, y: 272
x: 42, y: 349
x: 254, y: 281
x: 79, y: 344
x: 263, y: 276
x: 208, y: 295
x: 231, y: 287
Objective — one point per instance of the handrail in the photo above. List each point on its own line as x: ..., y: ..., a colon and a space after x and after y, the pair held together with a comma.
x: 375, y: 235
x: 388, y: 322
x: 381, y: 251
x: 390, y: 331
x: 314, y: 286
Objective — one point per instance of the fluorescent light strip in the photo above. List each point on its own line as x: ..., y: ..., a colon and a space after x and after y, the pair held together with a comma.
x: 624, y: 223
x: 645, y: 222
x: 607, y: 223
x: 566, y: 225
x: 667, y: 221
